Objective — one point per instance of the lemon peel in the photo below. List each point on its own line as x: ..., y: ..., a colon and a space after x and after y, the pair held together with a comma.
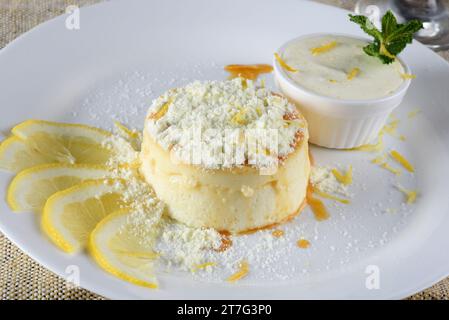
x: 204, y: 265
x: 324, y: 48
x: 402, y: 160
x: 241, y: 273
x: 283, y: 64
x: 162, y: 110
x: 375, y: 147
x: 354, y: 72
x: 330, y: 196
x: 379, y: 159
x: 240, y: 117
x: 388, y: 167
x: 411, y: 195
x: 391, y: 127
x: 407, y: 76
x: 345, y: 178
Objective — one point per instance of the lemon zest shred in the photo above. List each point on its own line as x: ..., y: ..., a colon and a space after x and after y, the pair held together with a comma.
x: 162, y: 111
x: 324, y: 48
x: 244, y: 83
x: 375, y: 147
x: 333, y: 81
x: 391, y: 127
x: 402, y: 160
x: 239, y: 117
x: 330, y: 196
x: 345, y: 178
x: 283, y: 63
x: 353, y: 73
x: 407, y: 76
x: 410, y: 194
x: 130, y: 133
x: 402, y: 137
x: 386, y: 166
x: 380, y: 159
x: 204, y: 265
x: 241, y: 273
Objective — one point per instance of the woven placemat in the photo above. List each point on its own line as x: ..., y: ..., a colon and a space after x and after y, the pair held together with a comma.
x: 20, y: 276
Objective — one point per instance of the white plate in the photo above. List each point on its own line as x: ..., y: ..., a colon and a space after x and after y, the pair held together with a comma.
x: 127, y: 52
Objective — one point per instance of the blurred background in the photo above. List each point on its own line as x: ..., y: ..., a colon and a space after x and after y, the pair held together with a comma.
x: 18, y: 16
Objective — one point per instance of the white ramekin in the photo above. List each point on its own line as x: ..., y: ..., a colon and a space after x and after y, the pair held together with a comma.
x: 338, y: 123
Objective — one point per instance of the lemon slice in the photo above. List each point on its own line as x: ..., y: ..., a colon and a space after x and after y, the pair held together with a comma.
x: 15, y: 155
x: 64, y: 142
x: 118, y: 249
x: 72, y: 131
x: 31, y: 188
x: 133, y: 136
x: 70, y: 215
x: 37, y: 142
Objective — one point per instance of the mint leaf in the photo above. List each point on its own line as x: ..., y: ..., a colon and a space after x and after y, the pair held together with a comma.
x: 366, y: 26
x: 389, y: 23
x: 393, y: 38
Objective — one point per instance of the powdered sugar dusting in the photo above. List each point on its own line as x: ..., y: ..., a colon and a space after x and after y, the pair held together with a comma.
x: 221, y: 106
x: 352, y: 233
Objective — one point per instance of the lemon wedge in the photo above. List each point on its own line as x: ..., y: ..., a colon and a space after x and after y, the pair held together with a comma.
x: 117, y: 247
x: 70, y: 215
x: 31, y: 188
x: 39, y: 142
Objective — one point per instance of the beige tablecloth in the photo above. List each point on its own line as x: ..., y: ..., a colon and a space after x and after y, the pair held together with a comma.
x: 20, y: 276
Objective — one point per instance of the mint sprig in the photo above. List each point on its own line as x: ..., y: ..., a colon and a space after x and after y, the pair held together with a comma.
x: 393, y: 38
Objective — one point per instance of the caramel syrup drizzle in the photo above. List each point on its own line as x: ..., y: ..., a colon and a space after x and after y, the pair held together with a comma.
x: 251, y: 72
x: 247, y: 71
x: 226, y: 241
x: 319, y: 210
x: 303, y: 243
x: 316, y: 205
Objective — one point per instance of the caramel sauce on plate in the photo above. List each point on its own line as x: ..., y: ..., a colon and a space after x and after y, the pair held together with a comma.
x: 277, y: 233
x: 247, y: 71
x: 317, y: 206
x: 226, y: 241
x: 303, y: 243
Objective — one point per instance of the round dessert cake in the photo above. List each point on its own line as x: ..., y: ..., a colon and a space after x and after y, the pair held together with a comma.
x: 228, y: 155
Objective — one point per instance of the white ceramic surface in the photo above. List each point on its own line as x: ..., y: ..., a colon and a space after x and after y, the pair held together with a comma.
x: 339, y: 123
x: 128, y: 52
